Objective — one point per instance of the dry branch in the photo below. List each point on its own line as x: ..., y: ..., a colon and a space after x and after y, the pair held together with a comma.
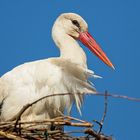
x: 97, y: 135
x: 18, y: 115
x: 118, y: 96
x: 27, y: 132
x: 10, y: 136
x: 104, y: 114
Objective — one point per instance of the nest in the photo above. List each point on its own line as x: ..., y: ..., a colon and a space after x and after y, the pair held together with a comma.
x: 16, y: 129
x: 32, y: 130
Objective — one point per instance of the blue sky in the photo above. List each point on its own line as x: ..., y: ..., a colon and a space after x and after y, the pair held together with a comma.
x: 25, y: 35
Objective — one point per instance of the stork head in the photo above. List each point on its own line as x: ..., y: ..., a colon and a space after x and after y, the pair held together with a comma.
x: 75, y: 26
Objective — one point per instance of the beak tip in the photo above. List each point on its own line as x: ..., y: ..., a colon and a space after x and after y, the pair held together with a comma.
x: 113, y: 67
x: 89, y: 41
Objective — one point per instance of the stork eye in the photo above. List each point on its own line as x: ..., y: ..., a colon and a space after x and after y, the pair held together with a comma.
x: 76, y: 23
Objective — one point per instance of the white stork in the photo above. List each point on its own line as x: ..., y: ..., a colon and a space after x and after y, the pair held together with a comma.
x: 65, y: 74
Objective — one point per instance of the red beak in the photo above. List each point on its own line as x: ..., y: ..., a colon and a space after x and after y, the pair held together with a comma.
x: 90, y: 42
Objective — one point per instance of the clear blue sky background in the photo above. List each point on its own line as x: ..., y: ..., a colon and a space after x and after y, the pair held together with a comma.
x: 25, y: 35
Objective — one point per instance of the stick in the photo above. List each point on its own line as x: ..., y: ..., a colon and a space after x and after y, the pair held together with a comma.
x: 96, y: 135
x: 117, y: 96
x: 62, y: 123
x: 66, y: 120
x: 104, y: 114
x: 10, y: 136
x: 96, y: 93
x: 30, y: 104
x: 18, y: 116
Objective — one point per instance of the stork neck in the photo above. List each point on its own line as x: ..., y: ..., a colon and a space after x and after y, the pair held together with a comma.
x: 70, y: 49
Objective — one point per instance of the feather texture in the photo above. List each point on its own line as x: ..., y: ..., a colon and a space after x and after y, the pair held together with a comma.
x: 65, y: 74
x: 33, y: 80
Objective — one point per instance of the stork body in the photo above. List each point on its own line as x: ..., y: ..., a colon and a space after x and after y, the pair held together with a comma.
x: 65, y: 74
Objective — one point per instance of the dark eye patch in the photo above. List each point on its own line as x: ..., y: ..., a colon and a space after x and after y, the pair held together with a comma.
x: 76, y: 23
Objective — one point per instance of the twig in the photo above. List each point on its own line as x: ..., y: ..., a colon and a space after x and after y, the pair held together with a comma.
x: 105, y: 108
x: 66, y: 123
x: 18, y: 116
x: 76, y: 119
x: 57, y: 134
x: 104, y: 114
x: 66, y: 120
x: 60, y: 94
x: 96, y: 135
x: 117, y: 96
x: 10, y: 136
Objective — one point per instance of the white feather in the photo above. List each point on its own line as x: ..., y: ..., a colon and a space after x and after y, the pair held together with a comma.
x: 31, y: 81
